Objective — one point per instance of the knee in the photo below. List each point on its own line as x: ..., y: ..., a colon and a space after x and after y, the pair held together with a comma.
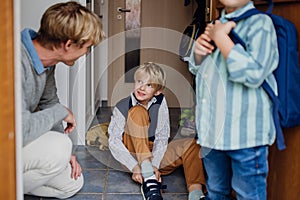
x: 138, y: 114
x: 74, y: 188
x: 137, y: 110
x: 62, y: 149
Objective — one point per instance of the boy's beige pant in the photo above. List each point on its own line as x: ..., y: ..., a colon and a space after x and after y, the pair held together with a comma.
x: 47, y: 169
x: 179, y: 152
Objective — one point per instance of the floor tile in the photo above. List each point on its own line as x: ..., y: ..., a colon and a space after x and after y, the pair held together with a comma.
x: 174, y: 196
x: 29, y: 197
x: 123, y: 197
x: 121, y: 182
x: 81, y: 197
x: 94, y: 181
x: 87, y: 197
x: 175, y: 182
x: 105, y: 158
x: 86, y: 158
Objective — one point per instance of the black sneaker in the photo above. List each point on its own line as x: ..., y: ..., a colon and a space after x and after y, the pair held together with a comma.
x: 151, y: 190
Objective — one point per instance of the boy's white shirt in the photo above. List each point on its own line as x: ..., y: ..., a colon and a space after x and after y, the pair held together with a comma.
x: 162, y: 134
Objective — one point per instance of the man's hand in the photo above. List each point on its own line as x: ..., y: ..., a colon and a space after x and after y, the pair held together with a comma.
x: 137, y: 174
x: 76, y: 169
x: 71, y: 123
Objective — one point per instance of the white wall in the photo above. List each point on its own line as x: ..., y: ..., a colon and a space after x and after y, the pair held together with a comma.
x: 18, y: 99
x: 101, y: 56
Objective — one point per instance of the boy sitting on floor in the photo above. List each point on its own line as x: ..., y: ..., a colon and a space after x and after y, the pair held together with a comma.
x: 138, y: 137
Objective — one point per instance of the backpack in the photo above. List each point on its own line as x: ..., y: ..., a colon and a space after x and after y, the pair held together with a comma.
x: 192, y: 31
x: 286, y: 106
x: 190, y: 34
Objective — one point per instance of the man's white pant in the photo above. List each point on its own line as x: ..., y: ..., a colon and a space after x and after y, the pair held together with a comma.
x: 47, y: 169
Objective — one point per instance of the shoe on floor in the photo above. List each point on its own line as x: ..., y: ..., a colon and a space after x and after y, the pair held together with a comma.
x: 151, y: 190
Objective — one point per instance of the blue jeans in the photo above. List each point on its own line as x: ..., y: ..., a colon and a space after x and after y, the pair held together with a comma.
x: 245, y: 171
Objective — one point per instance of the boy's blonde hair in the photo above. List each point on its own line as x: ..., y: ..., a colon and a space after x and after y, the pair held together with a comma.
x: 69, y: 21
x: 156, y: 75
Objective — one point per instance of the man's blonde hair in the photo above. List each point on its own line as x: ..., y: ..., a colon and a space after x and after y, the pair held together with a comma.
x: 69, y: 21
x: 156, y: 74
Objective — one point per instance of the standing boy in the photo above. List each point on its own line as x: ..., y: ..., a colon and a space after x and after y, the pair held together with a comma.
x: 234, y: 114
x: 138, y: 137
x: 66, y: 33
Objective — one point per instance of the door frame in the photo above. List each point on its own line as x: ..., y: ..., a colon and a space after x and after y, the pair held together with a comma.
x: 10, y: 103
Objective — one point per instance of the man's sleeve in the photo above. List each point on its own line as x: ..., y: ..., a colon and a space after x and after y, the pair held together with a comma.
x: 50, y: 113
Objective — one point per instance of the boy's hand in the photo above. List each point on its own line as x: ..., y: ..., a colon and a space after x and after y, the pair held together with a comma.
x: 137, y: 174
x: 217, y: 30
x: 218, y: 33
x: 203, y: 47
x: 157, y: 174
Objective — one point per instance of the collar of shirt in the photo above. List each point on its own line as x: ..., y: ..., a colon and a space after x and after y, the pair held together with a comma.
x: 226, y: 17
x: 27, y: 35
x: 135, y: 101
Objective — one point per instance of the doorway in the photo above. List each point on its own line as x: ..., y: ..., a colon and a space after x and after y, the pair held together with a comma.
x: 157, y: 29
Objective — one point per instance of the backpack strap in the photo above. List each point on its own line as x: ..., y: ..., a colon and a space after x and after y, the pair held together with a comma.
x: 233, y: 35
x: 270, y: 8
x: 276, y: 103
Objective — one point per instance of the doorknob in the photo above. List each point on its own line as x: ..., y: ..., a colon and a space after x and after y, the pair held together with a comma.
x: 119, y: 9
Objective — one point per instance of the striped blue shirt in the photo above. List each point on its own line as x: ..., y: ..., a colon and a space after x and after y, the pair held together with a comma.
x: 233, y: 111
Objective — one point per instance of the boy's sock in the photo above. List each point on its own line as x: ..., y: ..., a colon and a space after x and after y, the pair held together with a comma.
x: 147, y: 170
x: 150, y: 188
x: 195, y: 195
x: 153, y: 177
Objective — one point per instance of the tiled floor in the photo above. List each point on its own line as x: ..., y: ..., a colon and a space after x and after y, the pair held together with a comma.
x: 106, y: 180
